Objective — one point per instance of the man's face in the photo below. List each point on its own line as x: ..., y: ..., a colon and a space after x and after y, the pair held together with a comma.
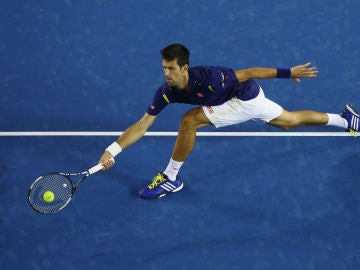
x: 174, y: 74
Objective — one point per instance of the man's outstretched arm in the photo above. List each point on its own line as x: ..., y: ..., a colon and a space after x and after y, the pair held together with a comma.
x: 296, y: 72
x: 131, y: 135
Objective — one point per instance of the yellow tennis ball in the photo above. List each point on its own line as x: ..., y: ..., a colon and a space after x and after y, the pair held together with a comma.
x: 48, y: 196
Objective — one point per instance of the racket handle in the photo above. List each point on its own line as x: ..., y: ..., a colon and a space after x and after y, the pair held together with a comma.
x: 95, y: 169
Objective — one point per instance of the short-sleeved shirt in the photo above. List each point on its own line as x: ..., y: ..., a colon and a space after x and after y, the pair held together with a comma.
x: 209, y: 86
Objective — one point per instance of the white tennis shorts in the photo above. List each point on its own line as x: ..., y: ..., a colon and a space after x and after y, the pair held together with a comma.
x: 235, y: 111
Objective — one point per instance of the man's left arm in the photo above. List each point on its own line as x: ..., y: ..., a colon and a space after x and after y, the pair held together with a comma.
x: 296, y: 72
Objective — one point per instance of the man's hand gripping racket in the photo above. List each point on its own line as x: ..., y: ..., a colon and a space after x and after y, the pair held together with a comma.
x: 107, y: 159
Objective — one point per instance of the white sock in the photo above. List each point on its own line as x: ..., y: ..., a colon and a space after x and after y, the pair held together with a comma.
x: 172, y: 169
x: 337, y: 121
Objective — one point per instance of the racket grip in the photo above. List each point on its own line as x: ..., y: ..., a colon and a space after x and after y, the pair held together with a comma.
x: 95, y: 169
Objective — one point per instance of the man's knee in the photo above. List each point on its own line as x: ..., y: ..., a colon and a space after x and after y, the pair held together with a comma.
x: 281, y: 125
x: 286, y: 120
x: 188, y: 120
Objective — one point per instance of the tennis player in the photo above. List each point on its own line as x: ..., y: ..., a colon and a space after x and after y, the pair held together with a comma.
x: 226, y: 97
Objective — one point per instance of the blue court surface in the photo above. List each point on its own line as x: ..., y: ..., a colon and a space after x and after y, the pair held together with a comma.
x: 249, y: 202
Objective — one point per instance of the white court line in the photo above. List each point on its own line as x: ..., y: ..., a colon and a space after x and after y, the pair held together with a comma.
x: 169, y: 133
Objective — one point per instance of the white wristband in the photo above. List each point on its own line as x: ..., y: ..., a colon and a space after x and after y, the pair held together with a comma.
x: 114, y: 149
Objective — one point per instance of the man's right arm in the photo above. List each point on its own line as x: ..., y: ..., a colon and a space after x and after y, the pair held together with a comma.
x: 131, y: 135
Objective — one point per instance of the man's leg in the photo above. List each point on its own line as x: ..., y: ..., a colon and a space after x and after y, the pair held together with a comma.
x: 349, y: 119
x: 169, y: 181
x: 289, y: 120
x: 185, y: 140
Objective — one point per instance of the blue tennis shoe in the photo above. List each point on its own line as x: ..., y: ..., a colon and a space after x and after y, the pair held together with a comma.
x: 161, y: 186
x: 352, y: 117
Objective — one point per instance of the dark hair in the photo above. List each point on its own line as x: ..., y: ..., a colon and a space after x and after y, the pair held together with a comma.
x: 178, y: 52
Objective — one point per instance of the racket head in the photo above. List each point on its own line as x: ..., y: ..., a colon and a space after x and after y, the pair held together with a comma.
x: 59, y: 184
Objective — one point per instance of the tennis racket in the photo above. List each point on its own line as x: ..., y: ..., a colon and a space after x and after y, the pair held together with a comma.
x: 51, y: 192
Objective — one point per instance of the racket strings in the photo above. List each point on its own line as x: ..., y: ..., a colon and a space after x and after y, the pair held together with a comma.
x: 59, y: 184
